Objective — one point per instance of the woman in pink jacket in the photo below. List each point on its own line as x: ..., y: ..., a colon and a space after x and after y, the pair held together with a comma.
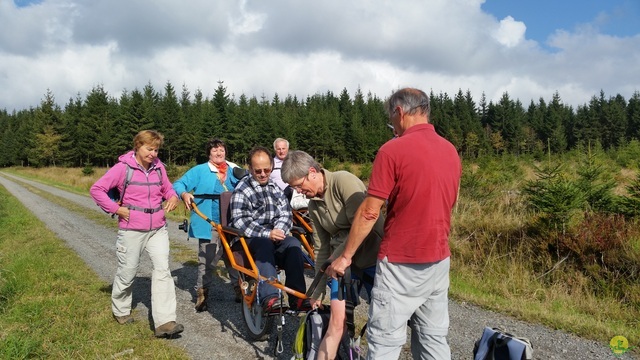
x: 142, y: 227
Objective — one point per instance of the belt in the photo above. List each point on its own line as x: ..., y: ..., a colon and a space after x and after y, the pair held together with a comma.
x: 144, y: 210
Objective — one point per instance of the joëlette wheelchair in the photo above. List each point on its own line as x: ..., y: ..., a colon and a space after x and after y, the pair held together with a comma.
x: 237, y: 251
x: 303, y: 230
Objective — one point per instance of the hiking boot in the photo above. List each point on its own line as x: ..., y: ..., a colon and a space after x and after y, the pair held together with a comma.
x: 169, y: 329
x: 300, y: 305
x: 273, y: 304
x: 238, y: 293
x: 123, y: 320
x: 201, y: 301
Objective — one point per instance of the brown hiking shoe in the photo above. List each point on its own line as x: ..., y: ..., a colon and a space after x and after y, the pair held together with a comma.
x: 123, y: 320
x: 238, y: 293
x: 169, y: 329
x: 201, y: 301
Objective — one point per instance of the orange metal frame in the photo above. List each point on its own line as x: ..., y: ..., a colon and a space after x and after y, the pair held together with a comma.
x: 300, y: 219
x: 252, y: 272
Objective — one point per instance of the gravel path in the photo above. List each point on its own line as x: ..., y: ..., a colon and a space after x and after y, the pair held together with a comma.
x: 220, y: 333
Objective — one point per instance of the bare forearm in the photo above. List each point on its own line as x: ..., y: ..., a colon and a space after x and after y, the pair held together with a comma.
x: 359, y: 231
x: 363, y: 222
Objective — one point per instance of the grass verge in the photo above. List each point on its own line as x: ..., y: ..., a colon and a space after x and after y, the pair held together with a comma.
x: 51, y: 303
x: 179, y: 252
x: 597, y: 318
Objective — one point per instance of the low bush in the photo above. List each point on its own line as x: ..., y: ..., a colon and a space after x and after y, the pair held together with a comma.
x: 88, y: 170
x: 365, y: 171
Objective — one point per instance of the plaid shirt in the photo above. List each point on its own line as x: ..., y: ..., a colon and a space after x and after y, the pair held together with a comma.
x: 256, y: 209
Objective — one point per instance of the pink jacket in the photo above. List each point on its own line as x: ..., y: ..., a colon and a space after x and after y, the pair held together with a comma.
x: 143, y: 196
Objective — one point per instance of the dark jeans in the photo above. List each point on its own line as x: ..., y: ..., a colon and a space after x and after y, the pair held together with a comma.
x: 287, y: 255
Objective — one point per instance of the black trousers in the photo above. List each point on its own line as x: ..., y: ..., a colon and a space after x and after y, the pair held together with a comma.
x: 287, y: 255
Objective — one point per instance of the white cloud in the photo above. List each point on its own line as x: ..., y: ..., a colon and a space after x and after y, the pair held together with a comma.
x: 510, y: 32
x: 248, y: 22
x: 299, y: 48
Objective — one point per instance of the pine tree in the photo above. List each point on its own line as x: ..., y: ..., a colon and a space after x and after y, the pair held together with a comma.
x: 595, y: 183
x: 69, y: 145
x: 629, y: 205
x: 554, y: 197
x: 633, y: 116
x: 169, y: 121
x: 45, y: 145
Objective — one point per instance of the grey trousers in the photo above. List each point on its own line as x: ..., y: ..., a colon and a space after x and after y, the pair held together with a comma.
x: 415, y: 292
x: 209, y: 253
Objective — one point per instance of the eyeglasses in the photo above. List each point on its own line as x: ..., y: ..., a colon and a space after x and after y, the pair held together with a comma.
x: 395, y: 111
x: 298, y: 187
x: 260, y: 171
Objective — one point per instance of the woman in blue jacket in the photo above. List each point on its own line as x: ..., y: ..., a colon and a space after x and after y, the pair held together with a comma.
x: 203, y: 184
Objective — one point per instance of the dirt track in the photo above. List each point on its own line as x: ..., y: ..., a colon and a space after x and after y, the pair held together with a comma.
x: 220, y: 333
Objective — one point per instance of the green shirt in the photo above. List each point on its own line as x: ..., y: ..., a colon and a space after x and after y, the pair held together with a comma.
x: 332, y: 216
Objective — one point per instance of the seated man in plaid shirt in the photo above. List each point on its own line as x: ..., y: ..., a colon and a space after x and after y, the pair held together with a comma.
x: 261, y: 211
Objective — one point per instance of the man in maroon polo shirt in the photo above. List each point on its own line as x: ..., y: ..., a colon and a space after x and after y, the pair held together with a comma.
x: 419, y: 174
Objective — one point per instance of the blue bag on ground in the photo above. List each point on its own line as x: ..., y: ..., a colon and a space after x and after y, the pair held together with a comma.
x: 496, y: 344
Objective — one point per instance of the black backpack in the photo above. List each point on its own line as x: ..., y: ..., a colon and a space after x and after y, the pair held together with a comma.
x: 313, y: 325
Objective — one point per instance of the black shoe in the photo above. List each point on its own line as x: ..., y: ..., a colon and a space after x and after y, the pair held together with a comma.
x: 300, y: 305
x: 273, y: 304
x: 238, y: 293
x: 201, y: 301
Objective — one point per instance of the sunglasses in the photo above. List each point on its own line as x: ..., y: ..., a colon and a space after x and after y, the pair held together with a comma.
x: 260, y: 171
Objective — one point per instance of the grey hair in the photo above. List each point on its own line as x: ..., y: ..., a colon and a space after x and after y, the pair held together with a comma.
x: 410, y: 100
x: 279, y: 140
x: 296, y: 165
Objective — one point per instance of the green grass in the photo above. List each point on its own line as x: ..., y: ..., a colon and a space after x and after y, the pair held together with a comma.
x: 552, y: 305
x: 53, y: 306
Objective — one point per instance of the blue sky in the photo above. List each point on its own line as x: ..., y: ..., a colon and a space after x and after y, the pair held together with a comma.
x: 545, y: 17
x: 23, y: 3
x: 528, y: 49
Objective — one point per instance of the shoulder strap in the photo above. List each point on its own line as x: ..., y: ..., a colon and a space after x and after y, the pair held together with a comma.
x: 129, y: 175
x: 317, y: 322
x: 347, y: 285
x: 127, y: 180
x: 299, y: 342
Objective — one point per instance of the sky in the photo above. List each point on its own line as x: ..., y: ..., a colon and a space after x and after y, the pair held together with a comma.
x: 530, y: 49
